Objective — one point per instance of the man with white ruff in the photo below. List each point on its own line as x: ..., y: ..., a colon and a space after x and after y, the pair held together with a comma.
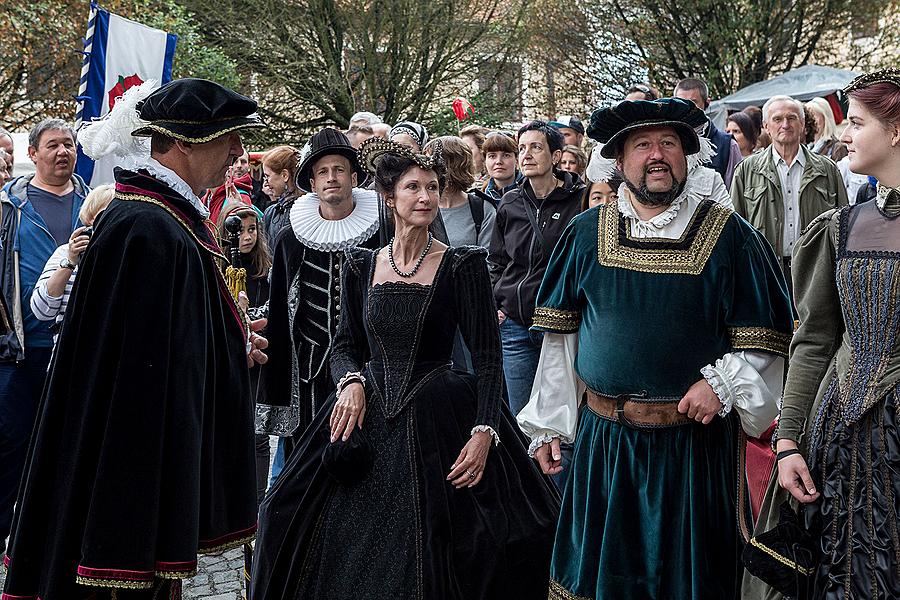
x: 304, y: 305
x: 672, y: 311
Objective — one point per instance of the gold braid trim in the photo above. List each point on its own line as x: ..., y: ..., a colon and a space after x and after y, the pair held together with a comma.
x: 563, y: 321
x: 785, y: 561
x: 113, y: 583
x: 186, y: 226
x: 689, y: 261
x: 176, y: 574
x: 228, y: 545
x: 558, y: 592
x: 198, y: 140
x: 759, y: 338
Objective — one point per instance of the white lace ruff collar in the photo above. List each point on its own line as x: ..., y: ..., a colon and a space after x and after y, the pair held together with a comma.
x: 173, y: 180
x: 657, y: 223
x: 319, y: 233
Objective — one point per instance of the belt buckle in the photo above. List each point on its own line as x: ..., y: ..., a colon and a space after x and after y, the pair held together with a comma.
x: 621, y: 399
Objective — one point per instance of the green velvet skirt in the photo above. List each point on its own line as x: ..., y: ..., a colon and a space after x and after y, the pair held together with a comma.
x: 649, y: 514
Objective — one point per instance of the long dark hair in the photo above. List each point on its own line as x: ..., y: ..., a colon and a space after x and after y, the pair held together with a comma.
x: 260, y: 258
x: 746, y: 125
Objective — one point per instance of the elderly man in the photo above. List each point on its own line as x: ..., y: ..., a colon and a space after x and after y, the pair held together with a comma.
x: 781, y: 190
x: 143, y: 454
x: 40, y: 212
x: 669, y: 308
x: 304, y: 305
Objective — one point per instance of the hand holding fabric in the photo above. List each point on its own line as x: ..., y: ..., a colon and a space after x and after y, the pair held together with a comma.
x: 349, y: 411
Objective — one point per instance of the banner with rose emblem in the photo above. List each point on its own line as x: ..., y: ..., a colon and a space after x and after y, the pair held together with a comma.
x: 118, y: 53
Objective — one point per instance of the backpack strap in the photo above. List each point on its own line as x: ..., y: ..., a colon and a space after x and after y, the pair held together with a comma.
x: 476, y: 205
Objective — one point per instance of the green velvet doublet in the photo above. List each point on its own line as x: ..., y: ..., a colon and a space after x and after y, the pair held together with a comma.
x: 650, y: 514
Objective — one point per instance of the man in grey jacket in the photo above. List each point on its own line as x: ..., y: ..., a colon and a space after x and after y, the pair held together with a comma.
x: 781, y: 189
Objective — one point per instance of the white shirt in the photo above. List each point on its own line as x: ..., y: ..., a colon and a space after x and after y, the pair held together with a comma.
x: 790, y: 176
x: 750, y: 382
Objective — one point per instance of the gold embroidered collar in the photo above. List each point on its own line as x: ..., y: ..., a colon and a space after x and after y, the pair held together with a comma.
x: 687, y: 255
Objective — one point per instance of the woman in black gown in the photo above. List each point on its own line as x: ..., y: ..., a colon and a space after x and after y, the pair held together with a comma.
x: 451, y: 507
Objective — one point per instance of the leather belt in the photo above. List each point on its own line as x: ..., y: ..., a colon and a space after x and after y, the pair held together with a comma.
x: 638, y: 411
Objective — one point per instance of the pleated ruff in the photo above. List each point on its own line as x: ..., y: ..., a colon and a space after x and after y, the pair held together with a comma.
x: 648, y: 514
x: 858, y: 466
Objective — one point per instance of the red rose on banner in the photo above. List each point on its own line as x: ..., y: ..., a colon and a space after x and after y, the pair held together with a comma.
x: 123, y: 85
x: 461, y: 108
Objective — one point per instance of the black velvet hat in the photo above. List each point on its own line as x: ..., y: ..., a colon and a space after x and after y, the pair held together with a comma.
x: 610, y: 126
x: 195, y: 111
x: 325, y: 143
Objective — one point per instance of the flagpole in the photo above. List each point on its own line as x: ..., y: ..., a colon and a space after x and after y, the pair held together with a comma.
x: 86, y: 64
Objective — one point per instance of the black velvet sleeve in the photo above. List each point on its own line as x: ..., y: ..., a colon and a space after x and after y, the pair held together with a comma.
x: 477, y: 316
x: 350, y: 350
x: 277, y: 373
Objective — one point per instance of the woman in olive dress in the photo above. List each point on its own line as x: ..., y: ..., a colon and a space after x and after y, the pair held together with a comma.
x: 838, y: 438
x: 438, y: 499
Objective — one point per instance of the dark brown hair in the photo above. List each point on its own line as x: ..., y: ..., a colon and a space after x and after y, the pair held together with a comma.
x: 260, y: 257
x: 746, y: 125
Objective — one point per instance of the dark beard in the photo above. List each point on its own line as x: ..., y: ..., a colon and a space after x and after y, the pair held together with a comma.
x: 655, y: 199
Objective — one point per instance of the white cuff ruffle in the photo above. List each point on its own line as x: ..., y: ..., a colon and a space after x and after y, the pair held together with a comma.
x: 489, y: 429
x: 539, y: 441
x: 721, y: 386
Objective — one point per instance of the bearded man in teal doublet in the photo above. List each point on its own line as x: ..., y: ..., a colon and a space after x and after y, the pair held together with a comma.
x: 673, y: 313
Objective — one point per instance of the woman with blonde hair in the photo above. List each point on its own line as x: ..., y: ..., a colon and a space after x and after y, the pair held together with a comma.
x: 825, y: 141
x: 51, y: 294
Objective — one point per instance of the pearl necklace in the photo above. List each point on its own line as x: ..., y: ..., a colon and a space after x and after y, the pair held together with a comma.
x: 415, y: 269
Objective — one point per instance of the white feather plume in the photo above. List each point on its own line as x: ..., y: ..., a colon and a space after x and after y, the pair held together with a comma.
x: 111, y: 134
x: 600, y: 168
x: 701, y: 157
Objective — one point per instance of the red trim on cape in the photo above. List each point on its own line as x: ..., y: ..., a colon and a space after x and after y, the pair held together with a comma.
x: 212, y: 246
x: 228, y: 537
x: 5, y: 596
x: 118, y: 574
x: 189, y: 565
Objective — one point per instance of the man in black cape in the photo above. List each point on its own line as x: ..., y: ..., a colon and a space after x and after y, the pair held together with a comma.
x: 143, y: 455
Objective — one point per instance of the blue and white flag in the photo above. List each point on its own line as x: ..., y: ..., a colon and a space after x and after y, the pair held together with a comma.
x: 118, y: 54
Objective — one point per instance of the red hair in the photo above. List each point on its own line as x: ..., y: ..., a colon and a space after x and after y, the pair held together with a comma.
x: 882, y: 100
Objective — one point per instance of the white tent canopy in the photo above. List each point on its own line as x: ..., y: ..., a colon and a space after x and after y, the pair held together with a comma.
x: 803, y: 83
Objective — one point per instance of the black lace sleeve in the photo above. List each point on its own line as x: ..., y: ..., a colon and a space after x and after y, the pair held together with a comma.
x: 350, y: 350
x: 477, y: 315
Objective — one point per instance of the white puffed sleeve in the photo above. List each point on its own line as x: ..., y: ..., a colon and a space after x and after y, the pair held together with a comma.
x: 552, y: 409
x: 751, y: 383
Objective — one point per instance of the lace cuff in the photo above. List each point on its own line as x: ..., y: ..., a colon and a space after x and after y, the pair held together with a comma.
x: 718, y: 381
x: 539, y: 441
x: 488, y: 429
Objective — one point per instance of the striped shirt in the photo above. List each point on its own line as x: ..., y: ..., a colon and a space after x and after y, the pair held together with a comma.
x: 44, y: 306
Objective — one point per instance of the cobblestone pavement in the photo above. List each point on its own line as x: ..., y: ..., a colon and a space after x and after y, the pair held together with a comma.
x: 218, y: 577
